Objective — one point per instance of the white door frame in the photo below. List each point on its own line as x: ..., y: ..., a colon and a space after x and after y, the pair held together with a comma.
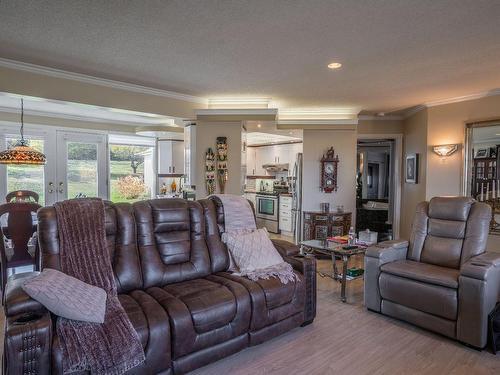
x: 398, y: 165
x: 64, y: 136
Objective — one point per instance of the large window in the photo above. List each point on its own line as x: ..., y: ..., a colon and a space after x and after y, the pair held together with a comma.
x: 26, y: 177
x: 131, y: 167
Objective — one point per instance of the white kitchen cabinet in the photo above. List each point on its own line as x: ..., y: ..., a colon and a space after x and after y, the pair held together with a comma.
x: 251, y: 166
x: 170, y: 157
x: 274, y: 154
x: 285, y: 214
x: 261, y: 158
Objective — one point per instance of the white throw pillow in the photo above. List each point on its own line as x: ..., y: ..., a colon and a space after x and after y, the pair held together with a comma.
x: 67, y: 296
x: 252, y: 251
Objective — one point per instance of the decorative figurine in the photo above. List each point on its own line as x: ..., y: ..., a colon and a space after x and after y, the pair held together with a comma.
x: 222, y: 174
x: 210, y: 171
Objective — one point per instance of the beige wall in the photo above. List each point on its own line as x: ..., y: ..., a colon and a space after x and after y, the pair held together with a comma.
x: 206, y: 134
x: 434, y: 126
x: 380, y: 127
x: 44, y: 86
x: 66, y: 123
x: 316, y: 143
x: 415, y: 141
x: 446, y: 124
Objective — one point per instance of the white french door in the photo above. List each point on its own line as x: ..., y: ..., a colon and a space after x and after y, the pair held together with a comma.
x: 76, y: 165
x: 81, y: 166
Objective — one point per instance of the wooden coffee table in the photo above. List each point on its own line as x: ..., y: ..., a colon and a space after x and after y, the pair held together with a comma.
x: 336, y: 251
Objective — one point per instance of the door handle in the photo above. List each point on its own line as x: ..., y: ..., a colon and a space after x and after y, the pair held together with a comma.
x: 50, y: 188
x: 173, y: 169
x: 60, y: 190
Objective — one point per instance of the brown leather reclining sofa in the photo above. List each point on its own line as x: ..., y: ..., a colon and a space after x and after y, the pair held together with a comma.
x: 171, y: 268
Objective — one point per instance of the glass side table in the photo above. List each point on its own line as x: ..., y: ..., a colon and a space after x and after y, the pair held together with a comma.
x: 336, y: 251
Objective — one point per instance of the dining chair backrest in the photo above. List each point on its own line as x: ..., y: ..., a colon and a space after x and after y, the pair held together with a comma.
x: 19, y: 230
x: 22, y: 195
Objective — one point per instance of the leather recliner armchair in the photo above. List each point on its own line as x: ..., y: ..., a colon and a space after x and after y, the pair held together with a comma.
x: 441, y: 279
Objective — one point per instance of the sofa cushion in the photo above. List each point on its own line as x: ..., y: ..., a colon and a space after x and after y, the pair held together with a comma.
x: 67, y: 296
x: 272, y: 301
x: 171, y: 239
x: 204, y: 312
x: 211, y: 305
x: 426, y: 273
x: 430, y: 298
x: 151, y: 323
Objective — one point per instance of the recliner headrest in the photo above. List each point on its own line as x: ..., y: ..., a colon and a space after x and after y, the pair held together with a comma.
x: 450, y: 208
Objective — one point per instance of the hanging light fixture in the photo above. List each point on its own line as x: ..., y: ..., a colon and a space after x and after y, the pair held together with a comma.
x: 21, y: 152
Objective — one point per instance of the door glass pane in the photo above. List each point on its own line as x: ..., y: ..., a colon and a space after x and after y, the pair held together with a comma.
x: 27, y: 177
x: 82, y: 170
x: 131, y: 172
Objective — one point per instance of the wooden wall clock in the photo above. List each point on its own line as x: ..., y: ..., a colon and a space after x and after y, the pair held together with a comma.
x: 329, y: 168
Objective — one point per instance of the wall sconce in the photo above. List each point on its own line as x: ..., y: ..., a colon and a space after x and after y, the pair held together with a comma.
x: 445, y: 150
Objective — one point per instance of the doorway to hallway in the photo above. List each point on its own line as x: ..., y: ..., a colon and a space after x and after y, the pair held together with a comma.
x: 378, y: 186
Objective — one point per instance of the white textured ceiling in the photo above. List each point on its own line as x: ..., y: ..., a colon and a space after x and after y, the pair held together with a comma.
x: 395, y: 53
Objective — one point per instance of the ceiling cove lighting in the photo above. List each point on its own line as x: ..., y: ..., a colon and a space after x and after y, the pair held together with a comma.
x: 240, y: 103
x: 318, y: 113
x: 334, y: 65
x: 21, y: 152
x: 445, y: 150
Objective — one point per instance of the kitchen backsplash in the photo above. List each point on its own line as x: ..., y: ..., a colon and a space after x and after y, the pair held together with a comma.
x: 255, y: 184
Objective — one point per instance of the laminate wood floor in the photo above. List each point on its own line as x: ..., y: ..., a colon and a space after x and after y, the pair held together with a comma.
x: 347, y: 339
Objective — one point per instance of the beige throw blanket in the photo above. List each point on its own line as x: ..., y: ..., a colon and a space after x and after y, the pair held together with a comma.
x: 251, y: 250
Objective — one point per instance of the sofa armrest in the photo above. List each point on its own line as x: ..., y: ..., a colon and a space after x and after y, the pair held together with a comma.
x: 388, y: 251
x: 478, y: 293
x: 285, y: 248
x: 306, y: 265
x: 17, y: 301
x: 481, y: 266
x: 376, y: 256
x: 28, y: 344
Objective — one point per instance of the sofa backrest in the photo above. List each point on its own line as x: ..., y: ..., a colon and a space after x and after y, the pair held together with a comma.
x: 120, y: 237
x: 214, y: 221
x: 448, y: 231
x: 171, y: 241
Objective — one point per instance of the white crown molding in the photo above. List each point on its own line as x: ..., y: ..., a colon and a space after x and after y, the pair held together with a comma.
x: 319, y: 122
x: 410, y: 112
x: 463, y: 98
x: 57, y: 73
x: 380, y: 118
x: 457, y: 99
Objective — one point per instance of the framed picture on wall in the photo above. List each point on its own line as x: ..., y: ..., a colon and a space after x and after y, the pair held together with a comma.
x: 412, y: 168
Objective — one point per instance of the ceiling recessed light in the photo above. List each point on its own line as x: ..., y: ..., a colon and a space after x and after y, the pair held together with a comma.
x: 259, y: 125
x: 334, y: 65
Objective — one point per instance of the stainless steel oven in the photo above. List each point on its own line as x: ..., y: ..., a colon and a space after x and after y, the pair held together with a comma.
x: 266, y: 211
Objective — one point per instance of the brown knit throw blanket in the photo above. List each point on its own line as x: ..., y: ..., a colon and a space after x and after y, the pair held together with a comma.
x: 112, y: 347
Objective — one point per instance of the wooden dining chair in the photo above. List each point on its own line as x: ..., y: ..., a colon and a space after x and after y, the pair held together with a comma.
x: 19, y: 231
x: 22, y: 196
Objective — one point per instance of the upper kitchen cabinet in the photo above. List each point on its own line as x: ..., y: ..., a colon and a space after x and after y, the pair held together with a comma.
x: 272, y: 154
x: 170, y: 157
x: 251, y: 166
